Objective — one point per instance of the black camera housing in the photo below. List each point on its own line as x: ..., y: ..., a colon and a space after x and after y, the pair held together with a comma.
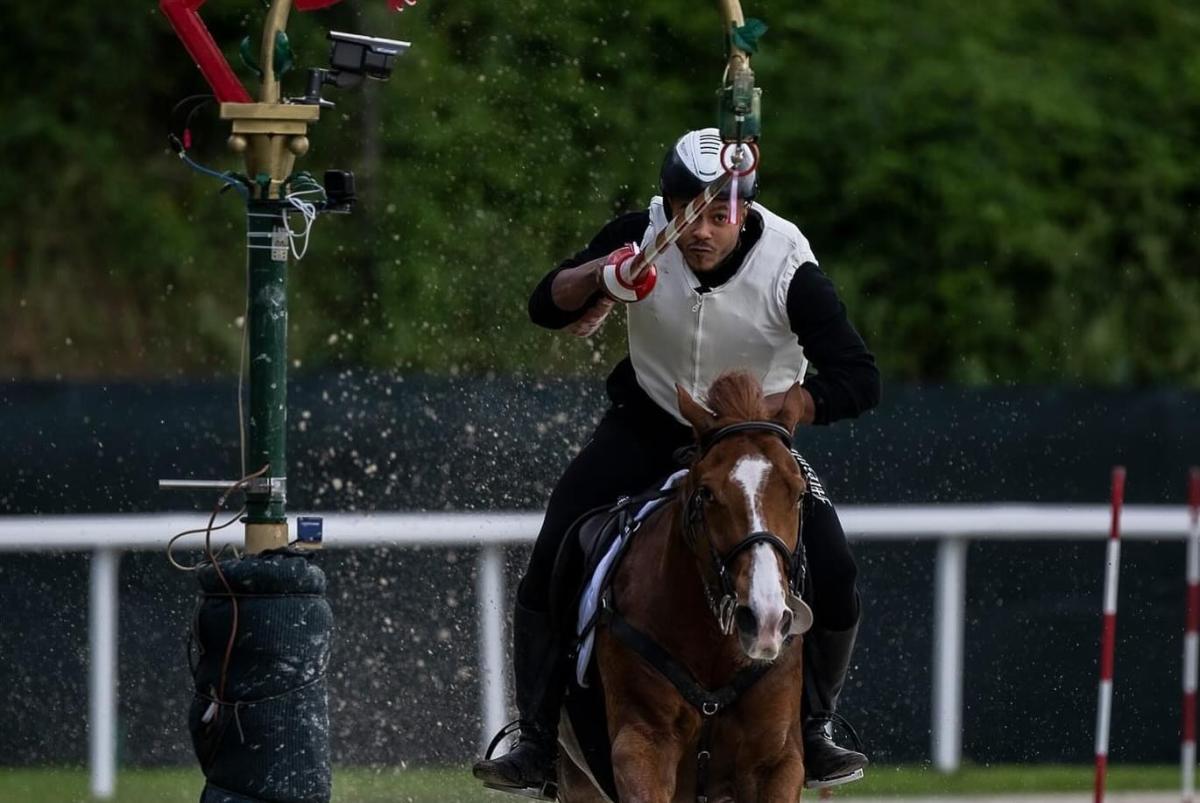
x: 368, y: 56
x: 340, y: 193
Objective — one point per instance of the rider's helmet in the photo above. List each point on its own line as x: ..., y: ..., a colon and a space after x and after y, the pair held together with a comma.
x: 694, y: 162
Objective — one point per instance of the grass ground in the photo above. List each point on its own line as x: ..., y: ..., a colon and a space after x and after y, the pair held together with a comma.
x: 428, y: 785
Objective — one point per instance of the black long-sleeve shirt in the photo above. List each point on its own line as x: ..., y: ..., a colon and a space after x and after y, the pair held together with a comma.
x: 846, y: 382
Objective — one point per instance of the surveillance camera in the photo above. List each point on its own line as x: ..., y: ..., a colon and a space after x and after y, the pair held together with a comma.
x: 364, y: 55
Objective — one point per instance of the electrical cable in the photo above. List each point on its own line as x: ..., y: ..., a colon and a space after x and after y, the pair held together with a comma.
x: 308, y: 211
x: 177, y: 536
x: 182, y: 143
x: 229, y: 179
x: 212, y: 559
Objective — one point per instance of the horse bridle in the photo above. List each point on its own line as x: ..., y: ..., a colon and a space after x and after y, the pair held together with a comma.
x: 723, y: 600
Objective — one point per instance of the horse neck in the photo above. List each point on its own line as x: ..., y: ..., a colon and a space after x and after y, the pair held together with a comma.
x: 663, y: 595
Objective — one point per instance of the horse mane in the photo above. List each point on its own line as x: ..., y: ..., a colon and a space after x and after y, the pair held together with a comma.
x: 737, y: 395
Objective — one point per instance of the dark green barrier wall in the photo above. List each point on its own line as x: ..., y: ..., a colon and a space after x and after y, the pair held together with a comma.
x: 404, y: 682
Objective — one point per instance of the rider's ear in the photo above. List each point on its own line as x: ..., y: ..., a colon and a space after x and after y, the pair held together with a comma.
x: 792, y: 408
x: 700, y: 419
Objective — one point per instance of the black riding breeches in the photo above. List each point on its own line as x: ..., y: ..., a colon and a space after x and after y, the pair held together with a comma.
x: 624, y: 458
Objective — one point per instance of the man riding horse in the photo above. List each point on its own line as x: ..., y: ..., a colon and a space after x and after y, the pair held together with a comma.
x: 728, y: 296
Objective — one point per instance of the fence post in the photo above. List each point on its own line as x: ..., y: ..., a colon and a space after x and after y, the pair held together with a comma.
x: 492, y: 604
x: 950, y: 593
x: 102, y: 672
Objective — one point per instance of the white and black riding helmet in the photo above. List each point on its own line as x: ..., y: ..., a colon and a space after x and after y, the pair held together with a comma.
x: 694, y: 162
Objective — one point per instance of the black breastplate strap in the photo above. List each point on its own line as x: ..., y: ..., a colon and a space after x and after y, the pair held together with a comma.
x: 707, y: 703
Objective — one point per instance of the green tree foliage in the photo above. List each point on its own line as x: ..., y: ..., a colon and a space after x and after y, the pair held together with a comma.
x: 1003, y: 191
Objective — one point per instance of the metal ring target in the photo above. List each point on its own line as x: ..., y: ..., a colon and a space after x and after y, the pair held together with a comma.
x: 729, y: 167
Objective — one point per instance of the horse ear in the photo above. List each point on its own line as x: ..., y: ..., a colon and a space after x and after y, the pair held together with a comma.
x: 700, y: 419
x: 792, y: 408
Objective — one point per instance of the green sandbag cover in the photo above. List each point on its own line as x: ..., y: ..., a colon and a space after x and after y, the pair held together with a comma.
x: 269, y: 741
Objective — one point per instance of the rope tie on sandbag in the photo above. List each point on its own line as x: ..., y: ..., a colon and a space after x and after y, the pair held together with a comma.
x: 236, y: 705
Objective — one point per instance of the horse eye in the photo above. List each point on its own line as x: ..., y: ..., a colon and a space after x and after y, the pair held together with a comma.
x: 705, y: 494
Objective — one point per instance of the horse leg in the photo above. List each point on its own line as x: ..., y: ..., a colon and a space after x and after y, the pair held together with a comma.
x: 783, y: 782
x: 574, y: 786
x: 644, y: 764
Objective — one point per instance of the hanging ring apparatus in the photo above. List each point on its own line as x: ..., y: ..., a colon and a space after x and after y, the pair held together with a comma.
x: 735, y: 164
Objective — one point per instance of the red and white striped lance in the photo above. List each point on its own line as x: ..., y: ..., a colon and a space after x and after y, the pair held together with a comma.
x: 1109, y: 634
x: 1191, y: 644
x: 668, y: 236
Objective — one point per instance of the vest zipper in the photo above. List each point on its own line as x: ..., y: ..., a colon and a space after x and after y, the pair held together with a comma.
x: 697, y: 308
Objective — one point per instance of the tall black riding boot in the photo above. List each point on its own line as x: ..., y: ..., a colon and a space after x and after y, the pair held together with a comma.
x: 826, y: 662
x: 541, y: 677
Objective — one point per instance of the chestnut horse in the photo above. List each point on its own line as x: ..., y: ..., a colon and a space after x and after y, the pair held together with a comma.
x: 700, y: 671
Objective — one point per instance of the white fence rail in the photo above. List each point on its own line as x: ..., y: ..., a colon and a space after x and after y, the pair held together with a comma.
x: 952, y: 526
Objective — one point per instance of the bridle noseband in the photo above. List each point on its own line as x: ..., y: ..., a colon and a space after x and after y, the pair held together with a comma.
x: 723, y: 600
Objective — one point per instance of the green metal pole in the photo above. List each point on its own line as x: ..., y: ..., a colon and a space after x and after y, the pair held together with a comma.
x: 267, y: 252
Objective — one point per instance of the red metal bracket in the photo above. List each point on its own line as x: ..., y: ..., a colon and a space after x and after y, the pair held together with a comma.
x: 204, y: 51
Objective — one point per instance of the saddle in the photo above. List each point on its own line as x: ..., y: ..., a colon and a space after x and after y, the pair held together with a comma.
x: 584, y: 567
x: 589, y: 544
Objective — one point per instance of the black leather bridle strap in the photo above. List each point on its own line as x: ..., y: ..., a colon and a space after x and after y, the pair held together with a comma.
x: 755, y: 538
x: 752, y: 540
x: 782, y: 432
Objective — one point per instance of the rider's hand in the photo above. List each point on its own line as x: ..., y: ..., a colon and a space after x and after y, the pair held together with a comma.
x: 617, y: 280
x: 593, y: 318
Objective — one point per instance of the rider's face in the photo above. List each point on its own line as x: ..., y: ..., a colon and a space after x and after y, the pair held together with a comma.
x: 711, y: 237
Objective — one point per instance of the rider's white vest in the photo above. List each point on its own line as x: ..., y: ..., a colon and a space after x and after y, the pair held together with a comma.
x: 678, y: 335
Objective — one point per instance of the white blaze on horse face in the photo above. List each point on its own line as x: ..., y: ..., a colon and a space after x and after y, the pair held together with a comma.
x: 766, y: 582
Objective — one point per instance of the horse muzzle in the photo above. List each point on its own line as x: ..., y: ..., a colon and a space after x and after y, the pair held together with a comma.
x: 762, y: 637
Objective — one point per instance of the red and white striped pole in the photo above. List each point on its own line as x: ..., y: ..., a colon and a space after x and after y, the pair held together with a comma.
x: 1109, y: 635
x: 1191, y: 643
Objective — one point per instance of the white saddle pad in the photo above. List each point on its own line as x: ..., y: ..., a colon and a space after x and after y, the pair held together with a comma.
x: 591, y: 595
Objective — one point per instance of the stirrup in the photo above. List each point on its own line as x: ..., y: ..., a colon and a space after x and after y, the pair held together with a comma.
x: 827, y: 783
x: 835, y: 719
x: 507, y: 730
x: 548, y: 791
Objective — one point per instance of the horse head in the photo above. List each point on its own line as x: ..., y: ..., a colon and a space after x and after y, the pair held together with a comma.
x: 742, y: 500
